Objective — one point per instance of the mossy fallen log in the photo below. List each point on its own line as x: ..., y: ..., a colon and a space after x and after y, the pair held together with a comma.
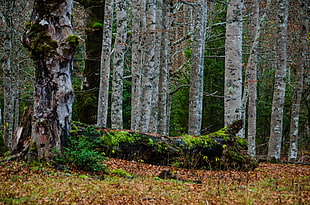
x: 218, y: 150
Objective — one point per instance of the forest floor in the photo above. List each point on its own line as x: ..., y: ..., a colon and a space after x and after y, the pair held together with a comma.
x: 138, y: 183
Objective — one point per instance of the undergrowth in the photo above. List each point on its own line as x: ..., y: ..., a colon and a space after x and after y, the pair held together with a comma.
x: 81, y: 153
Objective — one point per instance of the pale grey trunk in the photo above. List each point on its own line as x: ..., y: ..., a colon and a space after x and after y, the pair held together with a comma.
x: 276, y: 124
x: 196, y: 81
x: 52, y: 48
x: 148, y: 66
x: 8, y: 12
x: 103, y: 98
x: 8, y: 111
x: 250, y: 91
x: 163, y: 89
x: 252, y: 80
x: 301, y: 59
x: 153, y: 126
x: 233, y: 62
x: 118, y: 66
x: 136, y: 62
x: 251, y: 76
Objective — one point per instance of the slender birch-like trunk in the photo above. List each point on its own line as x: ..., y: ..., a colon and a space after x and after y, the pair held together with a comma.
x: 148, y: 66
x: 196, y: 81
x: 103, y: 98
x: 8, y: 111
x: 299, y: 83
x: 252, y: 80
x: 276, y: 124
x: 163, y: 89
x: 233, y: 62
x: 153, y: 126
x: 250, y: 90
x: 118, y: 65
x: 136, y: 62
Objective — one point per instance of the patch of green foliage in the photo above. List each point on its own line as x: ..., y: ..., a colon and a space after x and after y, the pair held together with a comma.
x: 73, y: 40
x: 81, y: 153
x: 41, y: 42
x: 220, y: 133
x: 97, y: 25
x: 121, y: 173
x: 113, y: 139
x: 2, y: 144
x: 202, y: 141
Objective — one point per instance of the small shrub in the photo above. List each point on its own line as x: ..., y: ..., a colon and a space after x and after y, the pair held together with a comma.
x: 81, y: 153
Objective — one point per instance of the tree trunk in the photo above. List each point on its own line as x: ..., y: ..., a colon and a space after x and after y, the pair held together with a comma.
x: 148, y: 66
x: 233, y: 62
x: 87, y: 101
x: 276, y: 124
x: 136, y: 62
x: 50, y: 39
x: 8, y: 78
x: 163, y: 89
x: 118, y: 66
x: 103, y: 98
x: 153, y: 126
x: 300, y: 63
x: 251, y: 76
x: 196, y: 82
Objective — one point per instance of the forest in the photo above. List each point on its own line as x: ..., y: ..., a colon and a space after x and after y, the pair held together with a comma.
x: 198, y: 84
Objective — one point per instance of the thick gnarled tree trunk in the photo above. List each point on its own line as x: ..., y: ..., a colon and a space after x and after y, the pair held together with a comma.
x: 50, y: 39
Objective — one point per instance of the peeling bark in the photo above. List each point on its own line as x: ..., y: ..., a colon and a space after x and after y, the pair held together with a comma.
x: 49, y: 37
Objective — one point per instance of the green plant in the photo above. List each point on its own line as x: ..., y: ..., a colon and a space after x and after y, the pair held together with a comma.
x: 2, y: 144
x: 97, y: 25
x: 121, y: 173
x: 81, y: 153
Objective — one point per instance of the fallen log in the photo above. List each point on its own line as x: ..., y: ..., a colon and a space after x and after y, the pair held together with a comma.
x: 218, y: 150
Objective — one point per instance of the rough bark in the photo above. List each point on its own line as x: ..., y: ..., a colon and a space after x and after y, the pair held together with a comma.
x: 233, y: 62
x: 299, y: 81
x: 153, y: 125
x: 50, y: 39
x: 196, y: 81
x: 118, y: 66
x: 7, y: 12
x: 276, y: 124
x: 163, y: 75
x: 105, y: 64
x: 148, y: 66
x: 136, y: 62
x: 250, y: 91
x: 87, y: 106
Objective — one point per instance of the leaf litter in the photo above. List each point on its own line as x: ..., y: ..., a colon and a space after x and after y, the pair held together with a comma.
x: 22, y: 183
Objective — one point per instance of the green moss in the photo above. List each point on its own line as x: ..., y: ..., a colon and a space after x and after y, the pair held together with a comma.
x: 202, y: 141
x: 2, y: 145
x: 41, y: 42
x: 121, y: 173
x: 73, y: 40
x: 219, y: 133
x: 114, y: 138
x: 28, y: 24
x: 33, y: 147
x: 97, y: 25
